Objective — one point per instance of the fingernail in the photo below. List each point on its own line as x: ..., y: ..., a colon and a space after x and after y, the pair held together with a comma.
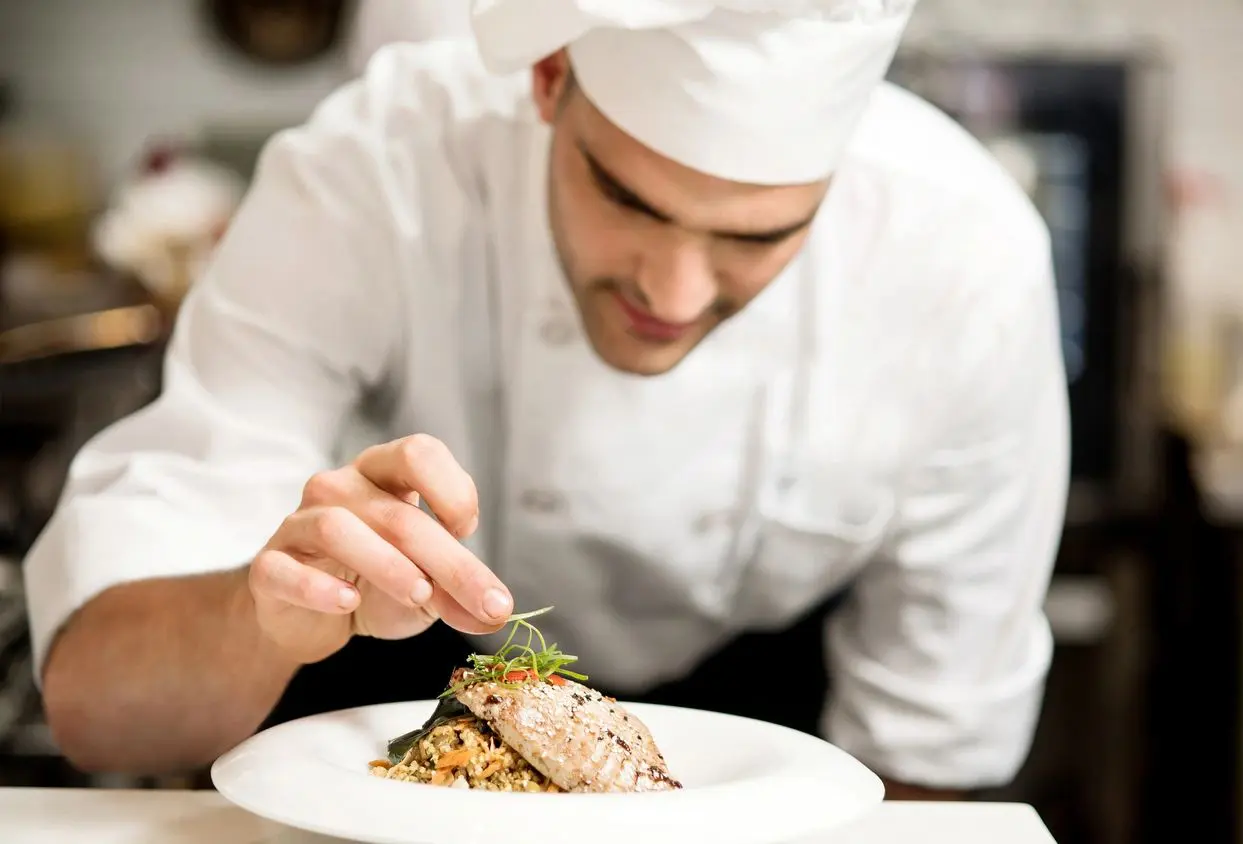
x: 470, y: 528
x: 346, y: 597
x: 421, y: 593
x: 497, y: 604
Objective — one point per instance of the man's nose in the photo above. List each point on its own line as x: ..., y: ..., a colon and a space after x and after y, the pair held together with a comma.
x: 677, y: 280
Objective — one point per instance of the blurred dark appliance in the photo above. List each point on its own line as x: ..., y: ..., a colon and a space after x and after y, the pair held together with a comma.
x: 280, y: 32
x: 1082, y: 132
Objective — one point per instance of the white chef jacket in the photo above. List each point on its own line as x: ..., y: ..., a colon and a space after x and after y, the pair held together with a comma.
x: 890, y: 413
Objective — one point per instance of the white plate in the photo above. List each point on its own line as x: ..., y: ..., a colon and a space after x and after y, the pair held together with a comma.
x: 746, y: 782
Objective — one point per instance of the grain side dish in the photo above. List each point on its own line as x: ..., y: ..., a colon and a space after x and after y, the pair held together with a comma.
x: 519, y: 720
x: 465, y: 754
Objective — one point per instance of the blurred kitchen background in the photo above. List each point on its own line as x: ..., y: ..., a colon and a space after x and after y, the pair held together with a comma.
x: 129, y: 129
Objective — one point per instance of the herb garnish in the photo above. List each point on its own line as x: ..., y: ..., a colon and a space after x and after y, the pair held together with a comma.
x: 516, y: 663
x: 447, y: 710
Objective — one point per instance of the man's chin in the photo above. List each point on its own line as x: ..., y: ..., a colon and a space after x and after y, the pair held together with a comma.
x: 635, y: 357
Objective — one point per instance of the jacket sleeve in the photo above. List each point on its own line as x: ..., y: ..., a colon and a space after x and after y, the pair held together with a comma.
x: 296, y: 318
x: 938, y: 657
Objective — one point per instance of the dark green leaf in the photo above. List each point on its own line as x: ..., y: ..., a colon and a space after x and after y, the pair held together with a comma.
x: 449, y: 709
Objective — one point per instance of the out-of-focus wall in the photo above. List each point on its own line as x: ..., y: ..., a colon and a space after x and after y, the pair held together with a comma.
x: 114, y: 73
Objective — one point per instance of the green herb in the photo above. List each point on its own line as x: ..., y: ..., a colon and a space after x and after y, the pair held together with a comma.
x: 446, y: 711
x: 543, y: 662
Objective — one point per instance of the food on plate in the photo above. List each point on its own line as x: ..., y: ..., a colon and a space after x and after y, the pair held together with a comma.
x: 520, y: 720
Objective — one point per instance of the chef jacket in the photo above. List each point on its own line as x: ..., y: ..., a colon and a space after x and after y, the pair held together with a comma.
x: 890, y: 413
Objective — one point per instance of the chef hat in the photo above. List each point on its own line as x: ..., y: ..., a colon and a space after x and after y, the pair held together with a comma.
x: 759, y: 91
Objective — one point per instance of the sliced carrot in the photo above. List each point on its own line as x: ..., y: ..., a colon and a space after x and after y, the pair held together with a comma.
x: 453, y: 759
x: 443, y: 776
x: 556, y: 679
x: 493, y: 767
x: 519, y: 675
x: 380, y: 763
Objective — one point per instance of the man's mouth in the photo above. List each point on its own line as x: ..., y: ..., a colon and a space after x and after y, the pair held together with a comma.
x: 648, y: 327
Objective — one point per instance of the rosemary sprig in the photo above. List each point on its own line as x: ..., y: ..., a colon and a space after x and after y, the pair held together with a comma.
x: 526, y: 658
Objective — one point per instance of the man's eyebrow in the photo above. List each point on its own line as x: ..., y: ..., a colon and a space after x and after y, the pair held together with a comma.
x: 618, y: 192
x: 770, y: 236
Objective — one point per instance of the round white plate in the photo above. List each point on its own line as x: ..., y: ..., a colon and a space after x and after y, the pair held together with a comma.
x: 745, y: 782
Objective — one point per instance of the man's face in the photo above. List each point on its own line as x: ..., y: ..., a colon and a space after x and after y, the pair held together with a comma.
x: 657, y: 255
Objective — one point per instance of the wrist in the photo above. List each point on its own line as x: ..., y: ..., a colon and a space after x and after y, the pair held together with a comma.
x: 243, y: 613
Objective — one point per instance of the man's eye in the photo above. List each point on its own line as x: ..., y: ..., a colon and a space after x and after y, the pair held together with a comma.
x: 759, y: 239
x: 624, y: 201
x: 629, y: 204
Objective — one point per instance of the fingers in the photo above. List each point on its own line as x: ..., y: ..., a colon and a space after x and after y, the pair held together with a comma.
x: 421, y: 465
x: 451, y: 566
x: 383, y: 618
x: 470, y: 597
x: 452, y: 613
x: 382, y: 488
x: 278, y: 576
x: 337, y: 534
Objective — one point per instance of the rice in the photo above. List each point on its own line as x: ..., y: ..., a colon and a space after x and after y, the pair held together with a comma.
x: 465, y: 754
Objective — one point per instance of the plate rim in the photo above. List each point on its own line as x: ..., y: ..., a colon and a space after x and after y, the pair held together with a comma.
x: 866, y: 787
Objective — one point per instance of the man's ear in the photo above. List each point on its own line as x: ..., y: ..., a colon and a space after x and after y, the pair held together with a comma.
x: 550, y: 78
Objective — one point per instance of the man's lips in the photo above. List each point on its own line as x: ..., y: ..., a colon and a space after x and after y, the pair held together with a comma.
x: 646, y: 325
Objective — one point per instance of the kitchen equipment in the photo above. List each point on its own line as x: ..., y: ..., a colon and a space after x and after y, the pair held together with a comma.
x: 279, y: 32
x: 47, y: 194
x: 1082, y: 130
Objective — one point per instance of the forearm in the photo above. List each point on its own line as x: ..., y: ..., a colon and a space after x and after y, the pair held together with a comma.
x: 162, y: 676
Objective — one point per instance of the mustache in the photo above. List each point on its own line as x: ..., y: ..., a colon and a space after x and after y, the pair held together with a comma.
x: 722, y: 307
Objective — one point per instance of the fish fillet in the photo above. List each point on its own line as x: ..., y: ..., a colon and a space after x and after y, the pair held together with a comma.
x: 578, y: 738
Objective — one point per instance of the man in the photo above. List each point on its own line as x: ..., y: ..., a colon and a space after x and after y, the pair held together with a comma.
x: 668, y: 314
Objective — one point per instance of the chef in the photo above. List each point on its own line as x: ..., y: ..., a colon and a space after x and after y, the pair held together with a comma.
x: 670, y: 314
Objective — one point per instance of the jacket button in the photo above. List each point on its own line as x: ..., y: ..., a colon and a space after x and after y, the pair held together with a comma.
x: 716, y: 520
x: 557, y: 331
x: 541, y: 501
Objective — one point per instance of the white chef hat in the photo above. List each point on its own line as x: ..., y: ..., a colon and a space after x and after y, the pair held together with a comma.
x: 759, y: 91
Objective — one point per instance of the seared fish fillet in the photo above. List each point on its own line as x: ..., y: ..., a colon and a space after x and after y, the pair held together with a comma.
x: 578, y: 738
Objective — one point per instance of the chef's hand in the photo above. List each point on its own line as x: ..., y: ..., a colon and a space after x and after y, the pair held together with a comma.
x: 360, y: 557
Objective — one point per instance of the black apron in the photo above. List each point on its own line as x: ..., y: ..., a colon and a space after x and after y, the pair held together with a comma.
x: 778, y: 677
